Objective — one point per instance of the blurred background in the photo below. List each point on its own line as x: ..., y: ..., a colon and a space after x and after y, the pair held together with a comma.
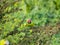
x: 30, y: 22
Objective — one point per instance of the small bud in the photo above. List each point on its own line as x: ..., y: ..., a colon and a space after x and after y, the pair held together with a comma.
x: 29, y: 21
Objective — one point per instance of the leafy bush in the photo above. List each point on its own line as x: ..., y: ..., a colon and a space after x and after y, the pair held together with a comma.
x: 44, y: 15
x: 55, y: 39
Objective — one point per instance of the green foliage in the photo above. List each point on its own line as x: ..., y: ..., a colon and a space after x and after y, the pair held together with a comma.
x: 55, y: 39
x: 13, y: 21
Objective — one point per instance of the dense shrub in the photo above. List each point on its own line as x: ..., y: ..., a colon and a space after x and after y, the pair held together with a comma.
x: 44, y: 15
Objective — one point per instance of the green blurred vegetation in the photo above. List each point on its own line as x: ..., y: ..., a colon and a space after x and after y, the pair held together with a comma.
x: 45, y: 16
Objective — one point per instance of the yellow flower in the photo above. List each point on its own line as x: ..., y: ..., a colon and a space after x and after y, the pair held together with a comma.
x: 2, y: 42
